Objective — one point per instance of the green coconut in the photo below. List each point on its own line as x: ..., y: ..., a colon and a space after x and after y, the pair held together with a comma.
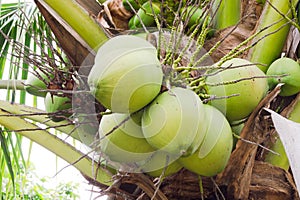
x: 213, y: 154
x: 175, y: 122
x: 59, y: 105
x: 125, y: 143
x: 145, y: 15
x: 193, y: 14
x: 290, y: 68
x: 295, y: 113
x: 133, y: 4
x: 161, y: 163
x: 131, y: 24
x: 126, y: 75
x: 249, y: 91
x: 35, y: 85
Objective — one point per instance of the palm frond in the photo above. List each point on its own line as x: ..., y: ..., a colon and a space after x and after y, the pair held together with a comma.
x: 7, y: 155
x: 29, y: 44
x: 18, y: 22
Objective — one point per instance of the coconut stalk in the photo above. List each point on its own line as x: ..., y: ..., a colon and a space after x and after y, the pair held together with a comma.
x: 227, y: 13
x: 83, y: 163
x: 80, y: 21
x: 11, y: 84
x: 273, y: 28
x: 39, y: 116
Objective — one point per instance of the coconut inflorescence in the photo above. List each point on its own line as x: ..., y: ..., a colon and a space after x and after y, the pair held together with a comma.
x: 159, y: 129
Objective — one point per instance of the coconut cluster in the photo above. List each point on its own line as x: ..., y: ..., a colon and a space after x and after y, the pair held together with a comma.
x: 150, y: 130
x: 156, y: 130
x: 144, y: 13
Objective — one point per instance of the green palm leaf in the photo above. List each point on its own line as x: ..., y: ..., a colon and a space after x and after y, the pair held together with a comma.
x: 7, y: 155
x: 18, y: 23
x: 27, y: 43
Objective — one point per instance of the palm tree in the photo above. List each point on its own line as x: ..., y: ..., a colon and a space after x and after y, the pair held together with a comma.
x: 51, y: 41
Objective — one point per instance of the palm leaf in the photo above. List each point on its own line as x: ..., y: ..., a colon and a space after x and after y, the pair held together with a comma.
x: 26, y: 36
x: 6, y: 155
x: 16, y: 20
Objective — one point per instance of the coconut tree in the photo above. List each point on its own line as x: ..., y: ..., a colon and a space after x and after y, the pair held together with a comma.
x: 199, y: 46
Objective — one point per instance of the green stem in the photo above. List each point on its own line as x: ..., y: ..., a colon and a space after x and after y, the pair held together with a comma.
x: 11, y: 84
x: 59, y: 147
x: 272, y: 21
x: 227, y: 13
x: 80, y: 21
x: 40, y: 116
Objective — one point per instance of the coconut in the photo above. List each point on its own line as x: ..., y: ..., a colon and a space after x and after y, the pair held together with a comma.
x: 193, y: 14
x: 34, y: 85
x: 248, y: 92
x: 127, y: 74
x: 288, y: 67
x: 125, y: 142
x: 161, y: 163
x: 175, y: 122
x: 132, y: 4
x: 145, y: 14
x: 59, y: 105
x: 213, y: 154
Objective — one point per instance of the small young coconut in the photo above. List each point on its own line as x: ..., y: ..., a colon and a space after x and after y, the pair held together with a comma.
x: 146, y: 14
x: 127, y: 74
x: 133, y: 4
x: 175, y: 122
x: 249, y: 91
x: 290, y: 68
x: 125, y: 142
x: 34, y: 85
x: 193, y: 14
x: 58, y: 104
x: 213, y: 154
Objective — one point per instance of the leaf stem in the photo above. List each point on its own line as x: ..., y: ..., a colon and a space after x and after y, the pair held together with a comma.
x: 59, y: 147
x: 12, y: 84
